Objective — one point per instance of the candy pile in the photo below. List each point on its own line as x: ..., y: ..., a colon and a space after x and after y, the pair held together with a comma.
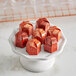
x: 44, y: 34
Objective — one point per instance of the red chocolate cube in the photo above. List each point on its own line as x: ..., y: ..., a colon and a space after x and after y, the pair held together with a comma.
x: 39, y: 34
x: 21, y: 39
x: 27, y: 27
x: 54, y: 31
x: 50, y: 44
x: 43, y: 23
x: 33, y: 47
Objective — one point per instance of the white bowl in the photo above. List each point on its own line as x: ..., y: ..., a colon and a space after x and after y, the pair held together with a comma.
x: 37, y: 63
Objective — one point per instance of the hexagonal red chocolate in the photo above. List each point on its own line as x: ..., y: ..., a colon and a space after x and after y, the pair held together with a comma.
x: 21, y: 39
x: 50, y: 44
x: 43, y: 23
x: 33, y: 47
x: 39, y: 34
x: 27, y: 27
x: 54, y: 31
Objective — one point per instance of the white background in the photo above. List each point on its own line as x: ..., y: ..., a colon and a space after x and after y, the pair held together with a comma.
x: 65, y: 64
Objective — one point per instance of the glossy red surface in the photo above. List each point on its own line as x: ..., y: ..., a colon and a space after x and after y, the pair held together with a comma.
x: 50, y: 44
x: 21, y: 39
x: 39, y: 34
x: 55, y: 32
x: 27, y: 27
x: 43, y: 23
x: 33, y: 47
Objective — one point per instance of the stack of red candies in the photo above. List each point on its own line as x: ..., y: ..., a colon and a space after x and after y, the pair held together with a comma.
x: 43, y: 34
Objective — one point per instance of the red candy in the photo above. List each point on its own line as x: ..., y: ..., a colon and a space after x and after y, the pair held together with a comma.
x: 50, y: 44
x: 33, y: 47
x: 27, y: 27
x: 43, y: 23
x: 43, y: 34
x: 21, y: 39
x: 39, y: 34
x: 55, y: 32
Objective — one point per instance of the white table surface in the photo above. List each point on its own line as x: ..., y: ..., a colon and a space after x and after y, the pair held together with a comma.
x: 65, y: 64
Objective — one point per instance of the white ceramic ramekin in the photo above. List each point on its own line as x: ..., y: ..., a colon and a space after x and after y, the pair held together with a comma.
x: 37, y: 63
